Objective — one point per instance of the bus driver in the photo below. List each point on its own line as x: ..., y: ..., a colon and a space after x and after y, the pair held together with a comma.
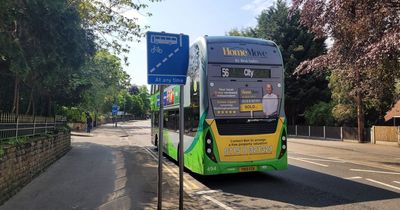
x: 270, y: 101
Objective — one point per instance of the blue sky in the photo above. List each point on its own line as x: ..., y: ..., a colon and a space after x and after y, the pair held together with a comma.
x: 194, y: 18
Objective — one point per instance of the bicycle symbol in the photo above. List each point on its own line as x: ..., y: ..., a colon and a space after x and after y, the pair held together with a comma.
x: 156, y: 49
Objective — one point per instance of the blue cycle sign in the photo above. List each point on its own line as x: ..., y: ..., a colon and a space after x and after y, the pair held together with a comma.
x: 167, y: 58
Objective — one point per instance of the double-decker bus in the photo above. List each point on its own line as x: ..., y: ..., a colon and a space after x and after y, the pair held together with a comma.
x: 234, y: 119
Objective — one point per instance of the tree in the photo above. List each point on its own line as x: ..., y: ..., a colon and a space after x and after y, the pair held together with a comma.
x: 296, y: 45
x: 320, y: 114
x: 42, y: 44
x: 111, y: 23
x: 104, y: 79
x: 366, y: 46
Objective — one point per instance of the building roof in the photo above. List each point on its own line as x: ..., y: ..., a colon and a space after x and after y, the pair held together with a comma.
x: 394, y: 112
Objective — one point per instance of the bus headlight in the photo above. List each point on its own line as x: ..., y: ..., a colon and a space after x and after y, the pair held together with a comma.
x: 283, y: 144
x: 209, y: 147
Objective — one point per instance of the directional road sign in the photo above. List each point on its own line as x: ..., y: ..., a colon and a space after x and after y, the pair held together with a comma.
x: 167, y: 58
x: 114, y: 109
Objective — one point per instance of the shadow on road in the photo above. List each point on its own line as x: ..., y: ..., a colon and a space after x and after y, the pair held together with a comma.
x: 297, y: 186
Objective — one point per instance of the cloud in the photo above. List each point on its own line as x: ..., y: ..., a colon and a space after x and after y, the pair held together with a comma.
x: 257, y: 6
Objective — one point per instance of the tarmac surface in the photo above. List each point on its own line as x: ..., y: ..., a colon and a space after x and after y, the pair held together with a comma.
x: 116, y: 168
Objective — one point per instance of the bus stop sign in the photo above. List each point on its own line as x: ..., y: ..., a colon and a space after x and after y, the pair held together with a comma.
x: 167, y: 58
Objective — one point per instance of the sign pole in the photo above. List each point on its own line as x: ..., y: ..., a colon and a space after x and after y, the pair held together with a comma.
x: 167, y: 64
x: 160, y: 147
x: 181, y: 145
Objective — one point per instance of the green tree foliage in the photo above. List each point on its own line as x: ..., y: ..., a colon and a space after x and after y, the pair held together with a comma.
x: 366, y: 47
x: 104, y: 79
x: 113, y: 23
x: 138, y: 101
x: 320, y: 114
x: 296, y: 45
x: 40, y: 41
x: 55, y: 54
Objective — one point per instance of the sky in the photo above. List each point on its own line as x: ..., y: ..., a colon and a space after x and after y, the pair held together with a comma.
x: 194, y: 18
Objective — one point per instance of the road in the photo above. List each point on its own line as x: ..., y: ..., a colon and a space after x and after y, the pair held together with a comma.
x: 116, y: 168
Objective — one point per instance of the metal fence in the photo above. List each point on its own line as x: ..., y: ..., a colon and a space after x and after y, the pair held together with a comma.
x: 13, y: 126
x: 327, y: 132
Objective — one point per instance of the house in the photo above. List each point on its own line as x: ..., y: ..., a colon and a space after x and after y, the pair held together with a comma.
x: 394, y: 114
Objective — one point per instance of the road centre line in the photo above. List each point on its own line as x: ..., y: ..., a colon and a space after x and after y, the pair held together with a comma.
x: 299, y: 159
x: 324, y: 160
x: 384, y: 184
x: 353, y: 162
x: 354, y: 177
x: 217, y: 202
x: 372, y: 171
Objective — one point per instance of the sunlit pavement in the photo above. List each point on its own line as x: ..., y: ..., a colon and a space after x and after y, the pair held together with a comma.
x: 117, y: 169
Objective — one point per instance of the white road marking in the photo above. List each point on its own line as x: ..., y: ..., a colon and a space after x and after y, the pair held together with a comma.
x: 207, y: 192
x: 324, y: 160
x: 396, y: 182
x: 354, y: 177
x: 318, y: 164
x: 217, y: 202
x: 384, y: 184
x: 353, y: 162
x: 371, y: 171
x: 173, y: 172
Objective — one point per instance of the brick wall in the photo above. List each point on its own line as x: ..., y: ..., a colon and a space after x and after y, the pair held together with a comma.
x: 20, y: 164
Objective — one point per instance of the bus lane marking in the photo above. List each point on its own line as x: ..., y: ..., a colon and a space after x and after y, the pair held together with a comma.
x: 372, y: 171
x: 207, y: 192
x: 384, y: 184
x: 300, y: 159
x: 354, y: 177
x: 174, y: 173
x: 217, y: 202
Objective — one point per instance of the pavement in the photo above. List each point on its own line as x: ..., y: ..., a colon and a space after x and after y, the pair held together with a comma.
x: 104, y: 170
x: 116, y: 168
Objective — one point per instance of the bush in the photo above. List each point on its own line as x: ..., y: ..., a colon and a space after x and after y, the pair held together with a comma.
x: 320, y: 114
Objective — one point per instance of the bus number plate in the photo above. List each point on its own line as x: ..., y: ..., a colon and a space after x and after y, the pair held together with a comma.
x: 247, y: 168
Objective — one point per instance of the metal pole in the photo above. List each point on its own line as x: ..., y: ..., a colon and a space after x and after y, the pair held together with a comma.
x: 34, y: 125
x: 124, y: 109
x: 324, y: 132
x: 341, y: 133
x: 296, y: 129
x: 181, y: 146
x: 16, y: 130
x: 160, y: 148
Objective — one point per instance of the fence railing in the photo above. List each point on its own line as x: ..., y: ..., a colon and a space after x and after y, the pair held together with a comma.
x: 327, y: 132
x: 13, y: 126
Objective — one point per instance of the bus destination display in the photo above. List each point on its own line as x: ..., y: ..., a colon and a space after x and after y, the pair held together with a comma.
x: 245, y: 72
